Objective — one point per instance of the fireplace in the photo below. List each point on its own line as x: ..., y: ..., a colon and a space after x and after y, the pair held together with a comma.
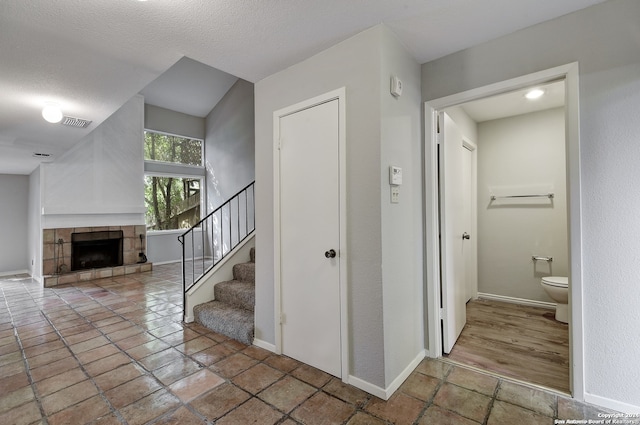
x: 93, y: 250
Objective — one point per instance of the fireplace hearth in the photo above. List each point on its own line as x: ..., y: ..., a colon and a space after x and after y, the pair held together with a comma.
x: 62, y: 264
x: 92, y: 250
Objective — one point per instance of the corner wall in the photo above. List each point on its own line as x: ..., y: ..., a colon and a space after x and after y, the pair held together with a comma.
x: 230, y: 144
x: 604, y: 40
x: 14, y: 196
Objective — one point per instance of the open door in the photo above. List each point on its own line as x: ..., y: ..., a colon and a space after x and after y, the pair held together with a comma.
x: 452, y: 232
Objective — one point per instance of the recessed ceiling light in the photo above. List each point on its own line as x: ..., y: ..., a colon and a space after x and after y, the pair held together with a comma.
x: 52, y: 112
x: 534, y: 94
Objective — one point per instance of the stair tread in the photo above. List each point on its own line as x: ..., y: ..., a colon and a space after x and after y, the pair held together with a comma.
x: 228, y: 320
x: 237, y: 293
x: 245, y: 272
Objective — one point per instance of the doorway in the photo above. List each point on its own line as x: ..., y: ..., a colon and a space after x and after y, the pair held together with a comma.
x: 569, y: 74
x: 310, y: 247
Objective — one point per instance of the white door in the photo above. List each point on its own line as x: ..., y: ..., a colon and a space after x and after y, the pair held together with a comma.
x: 310, y: 235
x: 454, y: 287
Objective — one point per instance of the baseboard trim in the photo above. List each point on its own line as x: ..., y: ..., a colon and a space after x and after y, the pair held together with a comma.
x: 189, y: 319
x: 264, y: 344
x: 514, y: 300
x: 14, y: 272
x: 608, y: 403
x: 368, y: 387
x: 386, y: 393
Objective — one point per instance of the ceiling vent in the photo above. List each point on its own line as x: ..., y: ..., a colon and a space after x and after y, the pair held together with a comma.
x: 75, y: 122
x: 41, y: 155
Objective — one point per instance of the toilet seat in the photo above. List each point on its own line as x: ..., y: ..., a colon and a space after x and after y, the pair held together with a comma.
x: 558, y: 281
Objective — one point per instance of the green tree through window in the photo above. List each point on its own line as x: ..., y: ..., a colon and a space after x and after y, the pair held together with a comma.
x: 172, y: 201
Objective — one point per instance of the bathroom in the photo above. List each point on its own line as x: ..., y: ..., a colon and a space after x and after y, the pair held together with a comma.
x: 519, y: 221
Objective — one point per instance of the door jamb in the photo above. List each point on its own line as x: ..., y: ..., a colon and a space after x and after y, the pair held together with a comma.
x: 570, y: 74
x: 340, y: 95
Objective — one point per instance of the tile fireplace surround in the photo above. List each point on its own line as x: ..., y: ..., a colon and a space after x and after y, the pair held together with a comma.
x: 55, y: 255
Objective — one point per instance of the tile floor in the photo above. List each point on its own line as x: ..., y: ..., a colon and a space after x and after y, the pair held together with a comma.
x: 114, y: 351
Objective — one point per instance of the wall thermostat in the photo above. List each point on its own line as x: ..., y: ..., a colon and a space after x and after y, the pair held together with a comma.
x: 395, y: 175
x: 396, y: 86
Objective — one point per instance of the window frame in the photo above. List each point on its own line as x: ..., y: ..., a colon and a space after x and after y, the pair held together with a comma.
x: 155, y: 168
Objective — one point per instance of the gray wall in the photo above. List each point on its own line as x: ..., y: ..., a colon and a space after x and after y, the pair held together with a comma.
x: 384, y: 320
x: 172, y: 122
x: 14, y: 202
x: 230, y: 144
x: 521, y: 155
x: 604, y: 40
x: 353, y: 64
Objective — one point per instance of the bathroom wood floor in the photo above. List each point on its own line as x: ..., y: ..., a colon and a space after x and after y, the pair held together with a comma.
x: 516, y: 341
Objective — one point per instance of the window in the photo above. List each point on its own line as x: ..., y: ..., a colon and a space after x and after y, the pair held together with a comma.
x: 173, y: 149
x: 173, y: 181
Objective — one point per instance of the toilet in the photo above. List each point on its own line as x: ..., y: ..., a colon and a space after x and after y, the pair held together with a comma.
x: 557, y: 287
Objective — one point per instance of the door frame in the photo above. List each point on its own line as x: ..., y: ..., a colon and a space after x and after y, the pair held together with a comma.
x: 473, y: 283
x: 569, y: 73
x: 340, y: 95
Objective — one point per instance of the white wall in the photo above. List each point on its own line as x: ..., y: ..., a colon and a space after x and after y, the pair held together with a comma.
x: 230, y: 144
x: 402, y: 235
x: 99, y: 182
x: 14, y: 196
x: 521, y: 155
x: 34, y: 232
x: 604, y: 40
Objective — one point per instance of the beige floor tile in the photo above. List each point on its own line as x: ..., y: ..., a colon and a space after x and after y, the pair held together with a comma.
x: 506, y: 413
x: 472, y: 380
x: 257, y: 378
x: 68, y: 397
x: 529, y: 398
x: 182, y: 416
x: 345, y: 392
x: 467, y: 403
x: 174, y: 371
x: 438, y: 416
x: 219, y: 401
x: 311, y: 375
x: 400, y: 409
x: 150, y: 407
x: 132, y: 391
x: 253, y: 411
x: 334, y: 411
x: 195, y: 385
x: 81, y: 413
x: 233, y: 365
x: 422, y: 387
x: 28, y: 413
x: 287, y: 393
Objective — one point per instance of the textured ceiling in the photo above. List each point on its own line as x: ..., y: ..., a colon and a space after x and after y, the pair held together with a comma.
x: 91, y: 56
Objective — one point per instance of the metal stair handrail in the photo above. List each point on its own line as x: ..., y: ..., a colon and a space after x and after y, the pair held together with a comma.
x: 213, y: 230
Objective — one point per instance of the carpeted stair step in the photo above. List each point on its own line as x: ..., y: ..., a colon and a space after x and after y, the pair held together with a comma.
x: 252, y: 255
x: 236, y: 293
x: 245, y: 272
x: 225, y: 319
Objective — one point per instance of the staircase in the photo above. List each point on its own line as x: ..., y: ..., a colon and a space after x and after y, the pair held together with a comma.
x: 231, y: 313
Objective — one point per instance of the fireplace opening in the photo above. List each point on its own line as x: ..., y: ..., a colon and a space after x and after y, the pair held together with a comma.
x: 94, y: 250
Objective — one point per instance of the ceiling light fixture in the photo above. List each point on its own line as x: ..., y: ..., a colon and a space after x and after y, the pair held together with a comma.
x: 534, y: 94
x: 52, y: 112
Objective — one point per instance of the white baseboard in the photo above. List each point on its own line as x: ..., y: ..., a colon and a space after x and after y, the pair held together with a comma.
x: 514, y: 300
x: 608, y: 403
x: 386, y: 393
x: 14, y: 272
x: 264, y: 344
x: 188, y: 319
x: 368, y: 387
